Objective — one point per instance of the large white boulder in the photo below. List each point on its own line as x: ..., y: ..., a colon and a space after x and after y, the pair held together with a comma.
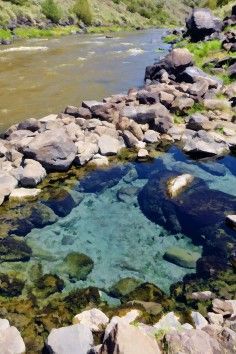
x: 11, y: 341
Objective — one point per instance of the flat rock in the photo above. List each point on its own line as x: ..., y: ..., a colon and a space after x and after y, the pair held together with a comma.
x: 75, y: 339
x: 181, y: 257
x: 24, y: 193
x: 151, y: 136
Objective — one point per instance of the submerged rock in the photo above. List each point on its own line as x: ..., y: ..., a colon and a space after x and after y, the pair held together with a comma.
x: 145, y: 292
x: 124, y: 287
x: 60, y: 201
x: 13, y: 250
x: 10, y: 286
x: 49, y: 284
x: 176, y: 185
x: 77, y: 266
x: 181, y: 257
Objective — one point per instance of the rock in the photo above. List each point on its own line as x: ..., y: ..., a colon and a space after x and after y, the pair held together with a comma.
x: 168, y: 323
x: 203, y: 144
x: 197, y: 122
x: 163, y: 125
x: 91, y: 104
x: 49, y: 118
x: 86, y: 151
x: 193, y: 341
x: 77, y: 266
x: 24, y: 193
x: 11, y: 341
x: 202, y: 296
x: 60, y: 201
x: 193, y: 74
x: 94, y: 319
x: 199, y: 88
x: 124, y: 287
x: 166, y: 98
x: 152, y: 308
x: 178, y: 59
x: 109, y: 145
x: 151, y: 136
x: 232, y: 71
x: 182, y: 104
x: 13, y: 250
x: 7, y: 184
x: 130, y: 139
x: 145, y: 292
x: 99, y: 161
x: 31, y: 124
x: 215, y: 318
x: 217, y: 104
x: 143, y: 154
x: 32, y: 174
x: 53, y: 149
x: 129, y: 340
x: 181, y: 257
x: 76, y: 339
x: 126, y: 194
x: 202, y: 23
x: 231, y: 220
x: 145, y: 97
x: 176, y: 185
x: 136, y: 129
x: 224, y: 307
x: 198, y: 320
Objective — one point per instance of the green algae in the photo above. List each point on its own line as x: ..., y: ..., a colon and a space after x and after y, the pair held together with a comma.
x: 124, y: 287
x: 77, y: 266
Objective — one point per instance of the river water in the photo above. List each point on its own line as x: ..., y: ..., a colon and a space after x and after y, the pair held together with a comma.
x: 39, y: 77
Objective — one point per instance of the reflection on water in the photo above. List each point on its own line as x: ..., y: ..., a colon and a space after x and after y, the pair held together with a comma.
x: 41, y: 77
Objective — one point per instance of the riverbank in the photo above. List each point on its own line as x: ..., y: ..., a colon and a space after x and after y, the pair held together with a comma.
x: 179, y: 105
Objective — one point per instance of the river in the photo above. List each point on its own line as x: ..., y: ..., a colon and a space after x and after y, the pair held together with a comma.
x: 42, y: 76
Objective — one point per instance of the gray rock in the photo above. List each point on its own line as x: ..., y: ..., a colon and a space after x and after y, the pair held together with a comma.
x: 197, y: 122
x: 215, y: 318
x: 198, y: 320
x: 32, y: 174
x: 91, y: 104
x: 130, y: 139
x: 182, y: 104
x: 108, y: 145
x: 31, y: 124
x: 24, y: 193
x: 76, y: 339
x: 193, y: 74
x: 178, y: 59
x: 202, y: 23
x: 202, y: 295
x: 151, y: 136
x: 193, y: 341
x: 53, y: 149
x: 94, y: 319
x: 168, y: 323
x: 182, y: 257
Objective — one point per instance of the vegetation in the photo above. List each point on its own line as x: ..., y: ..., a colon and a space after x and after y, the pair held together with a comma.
x: 51, y: 10
x: 83, y: 11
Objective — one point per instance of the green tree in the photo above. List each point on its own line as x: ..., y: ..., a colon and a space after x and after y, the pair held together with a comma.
x: 83, y: 11
x: 52, y: 11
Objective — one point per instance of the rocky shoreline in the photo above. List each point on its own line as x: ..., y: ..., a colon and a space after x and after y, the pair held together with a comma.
x: 180, y: 104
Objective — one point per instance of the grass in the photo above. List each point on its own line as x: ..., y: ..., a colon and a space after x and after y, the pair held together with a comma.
x: 197, y: 107
x: 203, y: 51
x: 31, y: 32
x: 171, y: 38
x: 178, y: 119
x: 5, y: 34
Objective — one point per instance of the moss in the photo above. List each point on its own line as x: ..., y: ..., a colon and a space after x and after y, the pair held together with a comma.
x: 171, y: 38
x: 145, y: 292
x: 50, y: 284
x: 14, y: 250
x: 77, y: 266
x: 5, y: 34
x: 10, y: 285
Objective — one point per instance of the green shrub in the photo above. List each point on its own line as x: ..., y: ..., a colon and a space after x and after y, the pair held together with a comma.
x: 51, y: 10
x: 83, y: 11
x: 18, y: 2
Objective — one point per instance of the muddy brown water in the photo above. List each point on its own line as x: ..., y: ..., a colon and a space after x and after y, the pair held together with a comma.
x: 39, y: 77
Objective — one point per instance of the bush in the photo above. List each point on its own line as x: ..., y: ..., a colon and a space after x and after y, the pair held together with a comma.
x: 18, y: 2
x: 83, y: 11
x: 51, y: 10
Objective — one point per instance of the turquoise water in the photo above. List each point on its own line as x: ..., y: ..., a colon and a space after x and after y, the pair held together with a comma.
x: 108, y: 225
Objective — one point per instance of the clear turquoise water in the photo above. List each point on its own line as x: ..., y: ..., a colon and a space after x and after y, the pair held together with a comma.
x: 112, y: 230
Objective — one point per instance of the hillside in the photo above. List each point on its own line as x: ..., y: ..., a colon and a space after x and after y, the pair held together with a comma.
x: 104, y: 12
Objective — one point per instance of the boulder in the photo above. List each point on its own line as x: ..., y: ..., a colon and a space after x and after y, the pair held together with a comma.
x: 32, y: 174
x: 77, y: 266
x: 13, y: 250
x: 198, y: 320
x: 202, y: 23
x: 216, y: 104
x: 151, y: 136
x: 130, y: 139
x: 168, y: 322
x: 53, y: 149
x: 224, y: 307
x: 231, y: 220
x: 146, y: 97
x: 7, y: 184
x: 94, y: 319
x: 215, y: 318
x: 178, y: 59
x: 109, y: 145
x: 31, y: 124
x: 11, y: 341
x: 202, y: 295
x: 176, y: 185
x: 232, y: 71
x: 143, y: 154
x: 193, y: 341
x: 181, y: 257
x: 129, y: 340
x: 124, y: 286
x: 75, y: 339
x: 99, y: 161
x: 193, y: 74
x: 197, y: 121
x: 203, y: 144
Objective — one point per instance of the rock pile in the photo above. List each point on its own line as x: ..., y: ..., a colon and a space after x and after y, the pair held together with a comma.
x: 128, y: 335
